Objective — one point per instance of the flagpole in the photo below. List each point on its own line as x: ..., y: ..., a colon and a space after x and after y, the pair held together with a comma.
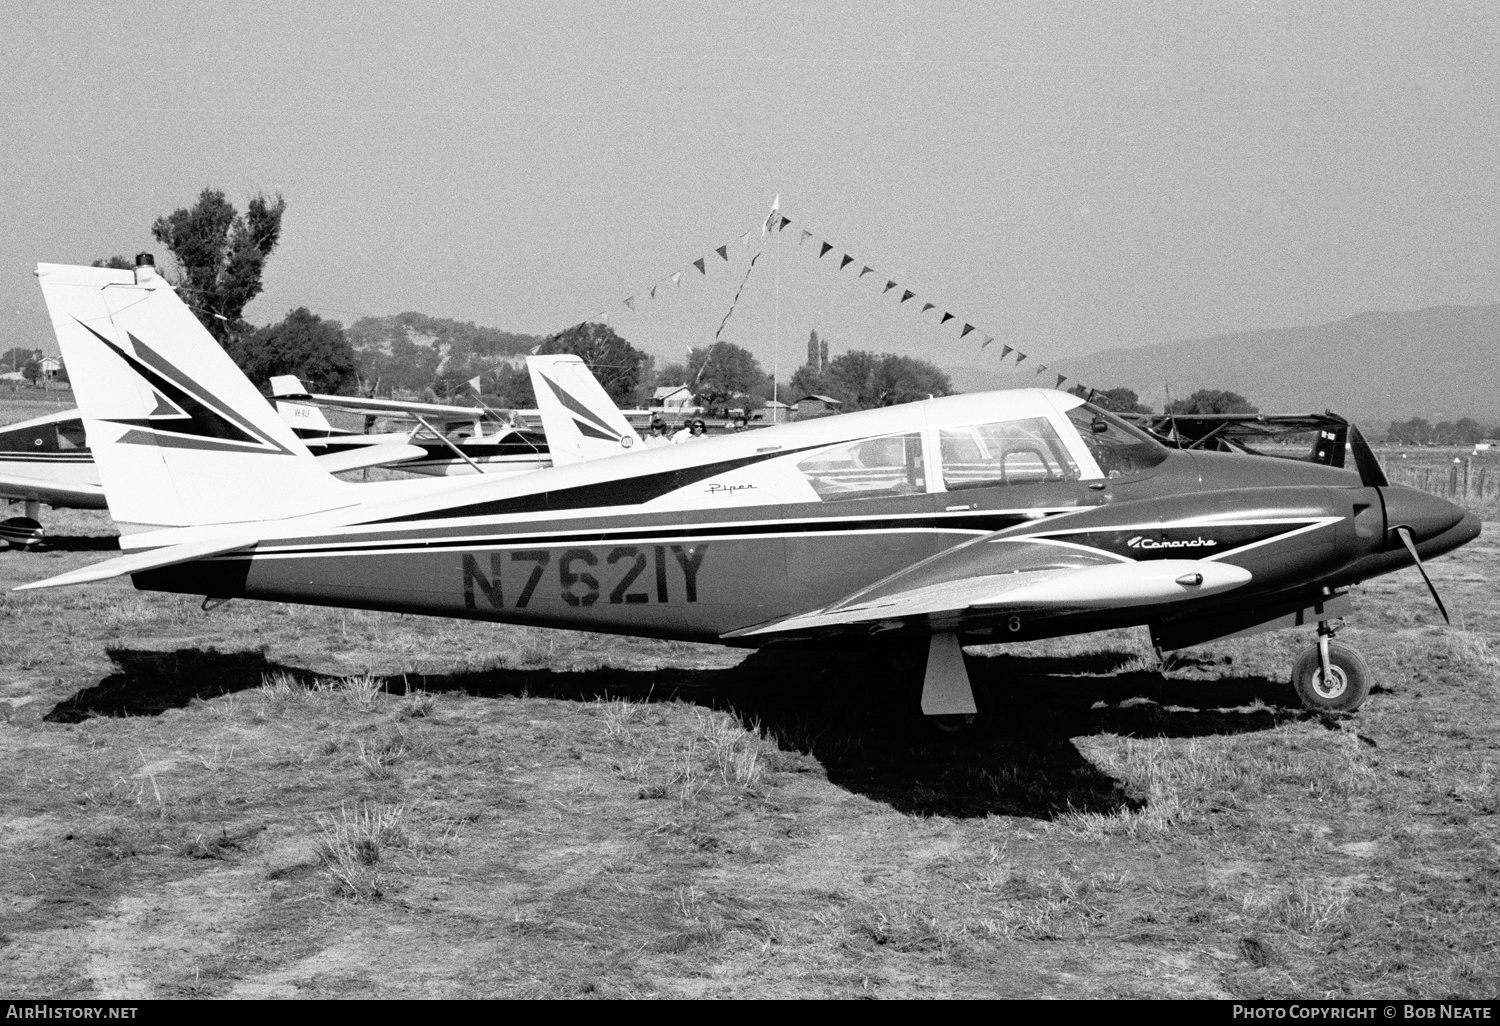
x: 776, y: 322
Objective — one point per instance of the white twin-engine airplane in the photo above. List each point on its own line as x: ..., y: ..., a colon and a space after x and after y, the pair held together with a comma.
x: 997, y: 517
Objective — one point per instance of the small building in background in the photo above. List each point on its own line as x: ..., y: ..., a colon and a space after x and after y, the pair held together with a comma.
x: 772, y: 412
x: 810, y: 406
x: 51, y: 365
x: 672, y: 400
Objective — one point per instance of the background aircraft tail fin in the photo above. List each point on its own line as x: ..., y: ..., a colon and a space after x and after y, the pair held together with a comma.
x: 580, y: 419
x: 180, y: 436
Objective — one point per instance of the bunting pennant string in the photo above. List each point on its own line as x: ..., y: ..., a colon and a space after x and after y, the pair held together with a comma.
x: 776, y: 222
x: 965, y: 328
x: 736, y: 298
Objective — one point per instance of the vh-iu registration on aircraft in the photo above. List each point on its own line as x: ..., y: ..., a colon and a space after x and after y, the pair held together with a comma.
x: 995, y: 517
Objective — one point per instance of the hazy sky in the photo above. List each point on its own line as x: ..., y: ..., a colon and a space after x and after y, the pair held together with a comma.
x: 1067, y: 177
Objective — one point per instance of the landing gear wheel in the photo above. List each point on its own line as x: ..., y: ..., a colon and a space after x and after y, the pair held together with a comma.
x: 1348, y: 683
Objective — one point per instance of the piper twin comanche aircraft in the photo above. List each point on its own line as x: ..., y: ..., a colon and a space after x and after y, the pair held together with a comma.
x: 987, y: 518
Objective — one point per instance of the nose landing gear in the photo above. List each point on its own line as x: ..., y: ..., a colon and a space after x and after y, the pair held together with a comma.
x: 1331, y: 676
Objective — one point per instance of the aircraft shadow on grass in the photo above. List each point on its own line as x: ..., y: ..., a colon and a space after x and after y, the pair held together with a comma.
x: 841, y: 710
x: 79, y: 543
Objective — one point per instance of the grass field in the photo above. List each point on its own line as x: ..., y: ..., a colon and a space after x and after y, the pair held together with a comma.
x: 267, y: 800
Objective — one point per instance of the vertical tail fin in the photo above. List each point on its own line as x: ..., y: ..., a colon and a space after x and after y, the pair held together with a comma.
x: 581, y: 421
x: 180, y: 436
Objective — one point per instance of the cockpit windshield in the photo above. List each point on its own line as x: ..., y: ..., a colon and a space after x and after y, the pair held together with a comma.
x: 1120, y: 448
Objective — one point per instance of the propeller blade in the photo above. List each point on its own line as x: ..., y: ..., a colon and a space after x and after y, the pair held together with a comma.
x: 1404, y: 533
x: 1370, y: 474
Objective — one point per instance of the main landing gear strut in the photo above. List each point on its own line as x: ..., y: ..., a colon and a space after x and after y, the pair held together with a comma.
x: 1331, y: 676
x: 948, y: 699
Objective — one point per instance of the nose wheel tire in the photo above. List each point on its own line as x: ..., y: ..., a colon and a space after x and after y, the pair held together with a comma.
x: 1348, y: 683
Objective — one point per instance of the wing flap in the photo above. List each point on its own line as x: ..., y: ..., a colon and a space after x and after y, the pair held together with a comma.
x: 151, y: 559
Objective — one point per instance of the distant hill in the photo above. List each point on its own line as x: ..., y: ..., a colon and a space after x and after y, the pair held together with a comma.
x: 1441, y: 363
x: 409, y: 350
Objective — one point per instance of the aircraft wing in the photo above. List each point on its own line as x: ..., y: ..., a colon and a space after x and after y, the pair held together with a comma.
x: 288, y: 387
x: 151, y: 559
x: 71, y: 496
x: 381, y: 454
x: 984, y: 582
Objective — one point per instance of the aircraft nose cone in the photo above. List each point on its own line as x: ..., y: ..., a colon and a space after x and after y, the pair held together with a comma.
x: 1426, y: 515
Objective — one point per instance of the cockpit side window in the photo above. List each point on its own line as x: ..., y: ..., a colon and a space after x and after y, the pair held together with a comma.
x: 871, y: 468
x: 1007, y: 452
x: 1121, y: 449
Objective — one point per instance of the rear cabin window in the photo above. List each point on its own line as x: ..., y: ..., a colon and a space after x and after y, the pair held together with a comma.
x: 871, y: 468
x: 1005, y: 453
x: 1121, y: 449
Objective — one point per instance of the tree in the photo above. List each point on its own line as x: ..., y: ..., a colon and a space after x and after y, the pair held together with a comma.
x: 724, y: 371
x: 220, y: 255
x: 865, y: 380
x: 1210, y: 400
x: 303, y: 344
x: 618, y: 365
x: 1117, y: 400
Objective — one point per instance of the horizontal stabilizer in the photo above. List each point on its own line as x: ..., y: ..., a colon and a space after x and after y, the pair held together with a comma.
x: 54, y: 493
x: 151, y: 559
x: 382, y: 455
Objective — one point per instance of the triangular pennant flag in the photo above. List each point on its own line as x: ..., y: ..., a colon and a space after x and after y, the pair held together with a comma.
x: 805, y: 236
x: 888, y: 286
x: 928, y: 306
x: 770, y: 221
x: 1041, y: 368
x: 945, y: 318
x: 474, y: 383
x: 1020, y: 357
x: 677, y: 278
x: 846, y: 261
x: 630, y: 302
x: 1060, y: 379
x: 1006, y: 351
x: 745, y: 239
x: 824, y: 251
x: 603, y: 317
x: 653, y: 292
x: 907, y: 295
x: 723, y: 251
x: 784, y: 222
x: 699, y: 264
x: 987, y: 340
x: 967, y: 328
x: 867, y: 269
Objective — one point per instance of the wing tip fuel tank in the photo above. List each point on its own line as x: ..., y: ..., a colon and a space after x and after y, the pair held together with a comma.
x: 1148, y: 582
